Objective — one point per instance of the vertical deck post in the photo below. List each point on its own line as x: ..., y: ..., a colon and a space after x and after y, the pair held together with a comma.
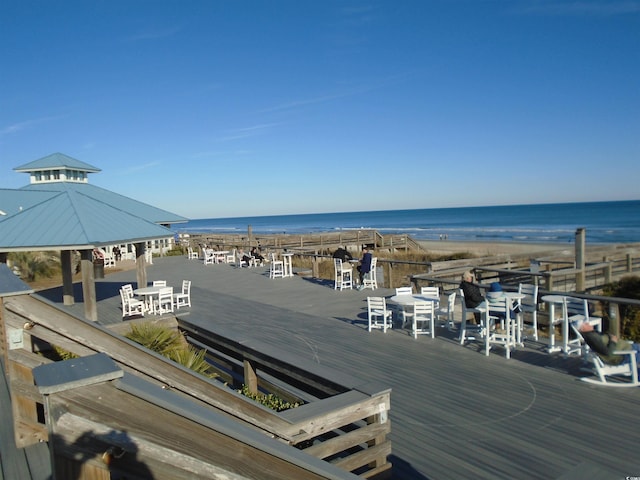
x: 250, y: 376
x: 67, y: 277
x: 88, y: 286
x: 141, y: 268
x: 580, y: 263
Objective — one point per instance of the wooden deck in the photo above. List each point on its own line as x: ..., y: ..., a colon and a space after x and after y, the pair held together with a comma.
x: 454, y: 412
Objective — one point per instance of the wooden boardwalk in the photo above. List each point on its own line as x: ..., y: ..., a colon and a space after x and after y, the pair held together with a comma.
x: 455, y: 413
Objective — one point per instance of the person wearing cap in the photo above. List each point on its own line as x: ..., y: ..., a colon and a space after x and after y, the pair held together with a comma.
x: 495, y: 299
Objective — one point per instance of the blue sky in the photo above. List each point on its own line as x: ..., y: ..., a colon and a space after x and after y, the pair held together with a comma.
x: 221, y: 108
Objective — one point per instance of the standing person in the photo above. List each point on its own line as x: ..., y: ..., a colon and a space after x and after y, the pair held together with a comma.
x: 343, y: 254
x: 472, y: 294
x: 365, y: 265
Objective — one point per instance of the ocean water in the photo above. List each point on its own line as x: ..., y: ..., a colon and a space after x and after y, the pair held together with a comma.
x: 604, y: 222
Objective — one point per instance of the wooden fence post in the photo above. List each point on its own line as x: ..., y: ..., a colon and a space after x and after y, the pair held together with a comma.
x: 608, y: 271
x: 250, y: 376
x: 580, y: 260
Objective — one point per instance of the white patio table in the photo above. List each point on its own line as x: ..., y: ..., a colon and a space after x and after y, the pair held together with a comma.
x: 148, y: 293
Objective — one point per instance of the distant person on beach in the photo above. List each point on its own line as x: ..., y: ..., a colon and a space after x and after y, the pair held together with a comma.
x: 365, y: 265
x: 343, y: 254
x: 472, y: 294
x: 255, y: 253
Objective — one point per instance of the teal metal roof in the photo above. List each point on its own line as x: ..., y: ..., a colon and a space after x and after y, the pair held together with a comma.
x: 72, y: 220
x: 13, y: 201
x: 56, y: 160
x: 126, y: 204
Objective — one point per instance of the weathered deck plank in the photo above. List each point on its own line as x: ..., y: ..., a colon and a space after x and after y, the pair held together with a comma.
x: 454, y: 412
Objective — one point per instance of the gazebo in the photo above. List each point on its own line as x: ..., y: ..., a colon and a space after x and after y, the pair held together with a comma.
x: 59, y: 210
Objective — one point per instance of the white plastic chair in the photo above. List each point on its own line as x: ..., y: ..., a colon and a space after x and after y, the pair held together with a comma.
x: 159, y: 283
x: 183, y: 298
x: 624, y: 374
x: 576, y: 310
x: 370, y: 279
x: 431, y: 292
x: 343, y: 275
x: 447, y: 312
x: 239, y: 261
x: 164, y: 302
x: 230, y: 257
x: 529, y: 304
x: 474, y: 329
x: 131, y: 306
x: 191, y: 253
x: 128, y: 288
x: 109, y: 261
x: 208, y: 256
x: 377, y: 309
x: 276, y: 267
x: 506, y: 336
x: 423, y: 319
x: 402, y: 311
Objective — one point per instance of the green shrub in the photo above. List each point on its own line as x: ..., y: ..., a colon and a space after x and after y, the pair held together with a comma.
x: 170, y: 343
x: 160, y: 339
x: 35, y: 265
x: 268, y: 400
x: 627, y: 287
x: 193, y: 359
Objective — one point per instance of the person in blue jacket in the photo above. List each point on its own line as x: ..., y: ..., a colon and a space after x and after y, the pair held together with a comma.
x: 365, y: 265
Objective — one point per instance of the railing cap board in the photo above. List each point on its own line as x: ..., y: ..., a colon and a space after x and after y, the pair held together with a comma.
x: 76, y: 372
x: 206, y: 417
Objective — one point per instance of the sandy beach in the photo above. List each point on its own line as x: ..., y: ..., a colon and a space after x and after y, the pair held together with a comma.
x: 446, y: 247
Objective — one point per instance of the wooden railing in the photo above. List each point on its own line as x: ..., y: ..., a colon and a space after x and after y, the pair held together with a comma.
x: 338, y: 415
x: 316, y: 242
x: 342, y: 422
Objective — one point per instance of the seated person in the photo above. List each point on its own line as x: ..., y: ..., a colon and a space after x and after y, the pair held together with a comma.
x: 604, y: 345
x: 365, y: 265
x: 255, y: 253
x: 243, y: 257
x: 343, y: 254
x: 472, y: 294
x: 495, y: 299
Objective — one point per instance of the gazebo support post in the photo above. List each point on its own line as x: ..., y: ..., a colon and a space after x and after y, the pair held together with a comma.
x: 141, y: 267
x: 67, y: 277
x: 88, y: 285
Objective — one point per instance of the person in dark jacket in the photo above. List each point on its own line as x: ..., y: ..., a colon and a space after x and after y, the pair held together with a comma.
x: 472, y: 294
x: 343, y: 254
x: 365, y: 265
